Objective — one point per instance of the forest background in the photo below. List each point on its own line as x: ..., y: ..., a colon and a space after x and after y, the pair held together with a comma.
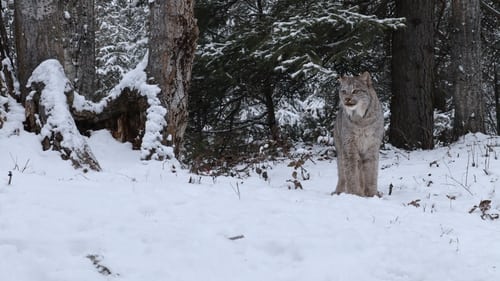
x: 219, y: 83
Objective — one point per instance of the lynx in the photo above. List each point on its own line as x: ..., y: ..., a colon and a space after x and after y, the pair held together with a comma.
x: 358, y: 133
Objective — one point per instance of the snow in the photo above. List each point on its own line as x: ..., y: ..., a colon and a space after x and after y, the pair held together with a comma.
x: 14, y: 118
x: 142, y: 220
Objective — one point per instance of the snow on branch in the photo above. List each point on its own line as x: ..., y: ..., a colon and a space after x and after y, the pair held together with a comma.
x: 353, y: 17
x: 324, y: 28
x: 49, y: 112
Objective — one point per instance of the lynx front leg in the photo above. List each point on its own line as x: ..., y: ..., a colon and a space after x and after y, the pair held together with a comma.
x: 370, y: 175
x: 352, y: 173
x: 341, y: 183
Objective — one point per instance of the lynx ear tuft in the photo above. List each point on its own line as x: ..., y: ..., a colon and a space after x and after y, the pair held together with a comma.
x: 365, y: 76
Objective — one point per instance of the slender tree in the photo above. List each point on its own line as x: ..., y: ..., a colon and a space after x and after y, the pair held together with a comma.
x: 466, y: 67
x: 172, y: 45
x: 412, y: 77
x: 79, y: 46
x: 497, y: 97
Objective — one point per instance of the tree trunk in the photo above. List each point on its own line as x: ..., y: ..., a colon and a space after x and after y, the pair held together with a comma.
x: 412, y: 117
x: 39, y: 48
x: 79, y: 46
x: 497, y: 97
x: 466, y: 67
x: 38, y: 36
x: 272, y: 123
x: 172, y: 45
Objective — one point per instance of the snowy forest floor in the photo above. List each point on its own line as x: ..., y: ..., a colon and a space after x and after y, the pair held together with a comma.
x: 144, y: 220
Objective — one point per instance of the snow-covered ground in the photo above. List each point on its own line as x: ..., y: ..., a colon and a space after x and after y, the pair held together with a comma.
x: 144, y: 221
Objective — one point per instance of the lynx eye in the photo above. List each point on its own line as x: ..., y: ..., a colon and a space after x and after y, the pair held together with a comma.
x: 357, y: 92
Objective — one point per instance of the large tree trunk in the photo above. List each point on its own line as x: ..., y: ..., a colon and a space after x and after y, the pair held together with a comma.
x: 43, y: 83
x: 38, y: 36
x: 79, y: 46
x: 466, y: 67
x: 172, y: 44
x: 412, y: 77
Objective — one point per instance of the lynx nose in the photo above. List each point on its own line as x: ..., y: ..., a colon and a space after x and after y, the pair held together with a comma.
x: 347, y: 100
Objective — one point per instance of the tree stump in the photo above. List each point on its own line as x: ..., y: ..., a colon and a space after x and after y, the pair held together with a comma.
x: 48, y: 114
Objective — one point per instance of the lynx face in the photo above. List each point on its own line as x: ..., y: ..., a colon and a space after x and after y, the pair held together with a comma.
x: 354, y: 96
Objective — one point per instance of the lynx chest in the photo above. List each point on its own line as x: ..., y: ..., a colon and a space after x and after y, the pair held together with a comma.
x: 365, y: 139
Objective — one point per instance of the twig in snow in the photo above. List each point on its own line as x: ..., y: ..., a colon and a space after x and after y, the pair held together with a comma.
x: 16, y: 165
x: 451, y: 197
x: 96, y: 260
x: 237, y: 237
x: 461, y: 184
x: 236, y: 190
x: 455, y: 180
x: 415, y: 203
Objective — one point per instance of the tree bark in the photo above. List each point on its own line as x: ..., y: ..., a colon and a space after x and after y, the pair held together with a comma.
x: 39, y: 47
x: 412, y: 65
x: 124, y: 117
x: 497, y: 97
x: 272, y: 123
x: 79, y: 46
x: 466, y: 67
x: 172, y: 45
x: 38, y: 36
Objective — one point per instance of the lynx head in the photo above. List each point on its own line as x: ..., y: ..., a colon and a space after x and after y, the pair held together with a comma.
x: 355, y: 96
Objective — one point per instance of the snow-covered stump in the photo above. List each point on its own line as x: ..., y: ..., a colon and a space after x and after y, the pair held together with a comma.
x: 123, y: 115
x: 47, y: 114
x: 133, y: 111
